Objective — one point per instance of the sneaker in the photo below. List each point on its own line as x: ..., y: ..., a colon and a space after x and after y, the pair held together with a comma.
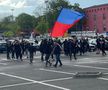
x: 60, y: 65
x: 75, y: 58
x: 55, y: 65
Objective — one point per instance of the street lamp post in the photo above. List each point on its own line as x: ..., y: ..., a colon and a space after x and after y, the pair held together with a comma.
x: 46, y: 2
x: 12, y: 14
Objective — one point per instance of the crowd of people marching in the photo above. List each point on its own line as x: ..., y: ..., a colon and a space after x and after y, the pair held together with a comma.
x: 52, y: 49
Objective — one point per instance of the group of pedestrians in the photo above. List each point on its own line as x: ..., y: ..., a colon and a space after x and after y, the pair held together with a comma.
x: 74, y: 46
x: 16, y: 50
x: 51, y: 50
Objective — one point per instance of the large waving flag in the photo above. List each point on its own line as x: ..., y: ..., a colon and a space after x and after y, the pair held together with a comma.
x: 66, y: 20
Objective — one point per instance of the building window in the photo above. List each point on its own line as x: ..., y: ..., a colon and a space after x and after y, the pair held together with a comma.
x: 98, y: 9
x: 104, y: 28
x: 94, y: 17
x: 95, y: 28
x: 104, y: 17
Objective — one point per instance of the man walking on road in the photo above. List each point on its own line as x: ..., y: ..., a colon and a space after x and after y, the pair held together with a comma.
x: 57, y: 51
x: 31, y: 52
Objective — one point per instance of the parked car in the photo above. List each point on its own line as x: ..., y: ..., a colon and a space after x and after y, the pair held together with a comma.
x: 92, y: 44
x: 2, y: 46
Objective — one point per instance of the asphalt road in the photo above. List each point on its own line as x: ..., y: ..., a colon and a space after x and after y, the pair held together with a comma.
x: 20, y: 75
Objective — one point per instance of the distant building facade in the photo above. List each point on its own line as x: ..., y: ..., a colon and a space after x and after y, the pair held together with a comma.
x: 96, y: 18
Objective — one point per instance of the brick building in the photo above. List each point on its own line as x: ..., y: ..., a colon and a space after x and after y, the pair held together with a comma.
x: 96, y: 18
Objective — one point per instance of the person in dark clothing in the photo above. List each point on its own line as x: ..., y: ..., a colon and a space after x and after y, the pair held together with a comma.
x: 31, y: 52
x: 102, y: 45
x: 23, y: 46
x: 57, y: 51
x: 52, y: 44
x: 98, y: 45
x: 65, y: 47
x: 18, y: 50
x: 26, y: 48
x: 72, y: 48
x: 42, y: 48
x: 48, y: 53
x: 13, y: 50
x: 8, y: 46
x: 82, y: 46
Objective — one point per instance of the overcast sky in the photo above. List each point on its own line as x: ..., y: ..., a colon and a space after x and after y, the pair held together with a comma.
x: 28, y: 6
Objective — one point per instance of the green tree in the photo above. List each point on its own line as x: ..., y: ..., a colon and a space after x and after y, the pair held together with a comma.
x: 7, y: 19
x: 8, y: 25
x: 12, y: 27
x: 8, y: 33
x: 42, y: 27
x: 54, y: 8
x: 26, y: 21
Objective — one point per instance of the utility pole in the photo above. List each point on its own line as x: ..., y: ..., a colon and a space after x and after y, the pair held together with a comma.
x: 46, y: 3
x: 12, y: 14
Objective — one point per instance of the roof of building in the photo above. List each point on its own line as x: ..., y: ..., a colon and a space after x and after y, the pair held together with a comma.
x: 95, y: 6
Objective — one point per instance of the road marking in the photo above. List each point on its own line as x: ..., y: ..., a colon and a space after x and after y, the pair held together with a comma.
x: 84, y: 66
x: 39, y: 82
x: 3, y: 63
x: 56, y: 71
x: 13, y: 85
x: 103, y: 78
x: 26, y: 79
x: 105, y: 73
x: 60, y: 79
x: 84, y: 61
x: 4, y: 59
x: 84, y: 58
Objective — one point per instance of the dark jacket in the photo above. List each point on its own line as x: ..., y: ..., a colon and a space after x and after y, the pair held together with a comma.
x: 31, y: 49
x: 57, y: 49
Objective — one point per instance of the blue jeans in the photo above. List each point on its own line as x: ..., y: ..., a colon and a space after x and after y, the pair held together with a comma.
x: 57, y: 56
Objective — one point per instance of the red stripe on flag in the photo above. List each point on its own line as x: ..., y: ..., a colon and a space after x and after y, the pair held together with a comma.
x: 60, y: 29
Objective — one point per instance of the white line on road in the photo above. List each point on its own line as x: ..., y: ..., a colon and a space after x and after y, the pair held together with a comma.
x: 13, y: 85
x: 39, y: 82
x: 56, y: 71
x: 105, y: 73
x: 3, y: 63
x: 60, y: 79
x: 4, y: 59
x: 18, y: 77
x: 84, y: 66
x: 103, y: 78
